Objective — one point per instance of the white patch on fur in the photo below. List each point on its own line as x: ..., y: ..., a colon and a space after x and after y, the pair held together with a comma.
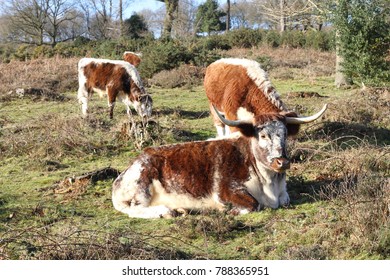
x: 127, y: 188
x: 174, y: 200
x: 244, y: 211
x: 150, y: 212
x: 137, y: 54
x: 82, y: 93
x: 273, y: 186
x: 284, y: 198
x: 259, y: 76
x: 254, y: 186
x: 102, y: 93
x: 244, y: 114
x: 220, y: 130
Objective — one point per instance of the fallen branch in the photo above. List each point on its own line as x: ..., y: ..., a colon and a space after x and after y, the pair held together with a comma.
x: 96, y: 175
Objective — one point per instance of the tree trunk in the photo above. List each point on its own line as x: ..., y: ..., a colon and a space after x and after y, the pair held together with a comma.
x: 228, y: 16
x: 282, y: 20
x: 121, y: 26
x: 340, y: 78
x: 171, y: 7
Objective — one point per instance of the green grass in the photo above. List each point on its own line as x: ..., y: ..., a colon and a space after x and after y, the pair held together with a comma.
x: 35, y: 216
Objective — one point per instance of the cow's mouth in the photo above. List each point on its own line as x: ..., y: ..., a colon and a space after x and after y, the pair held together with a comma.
x: 280, y: 164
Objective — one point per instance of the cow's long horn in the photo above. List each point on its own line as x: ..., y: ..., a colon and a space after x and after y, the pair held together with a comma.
x: 302, y: 120
x: 230, y: 122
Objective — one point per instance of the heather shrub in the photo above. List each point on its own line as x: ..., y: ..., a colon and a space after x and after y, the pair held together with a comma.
x: 162, y: 56
x: 183, y: 76
x: 245, y: 38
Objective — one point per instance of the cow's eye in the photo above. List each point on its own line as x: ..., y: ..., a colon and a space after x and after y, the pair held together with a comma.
x: 263, y: 136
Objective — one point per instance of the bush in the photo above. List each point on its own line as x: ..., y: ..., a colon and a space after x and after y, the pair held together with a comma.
x: 272, y: 38
x: 185, y: 75
x: 6, y: 52
x: 23, y: 52
x: 210, y: 43
x: 364, y: 40
x: 293, y: 39
x: 245, y: 38
x: 317, y: 40
x: 43, y: 51
x: 162, y: 56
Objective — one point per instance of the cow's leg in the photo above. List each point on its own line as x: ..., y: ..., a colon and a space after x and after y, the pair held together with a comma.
x: 111, y: 96
x: 132, y: 195
x: 243, y: 202
x: 284, y: 198
x: 217, y: 122
x: 82, y: 96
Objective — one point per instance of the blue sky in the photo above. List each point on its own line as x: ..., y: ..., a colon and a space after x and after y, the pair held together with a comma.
x: 139, y: 5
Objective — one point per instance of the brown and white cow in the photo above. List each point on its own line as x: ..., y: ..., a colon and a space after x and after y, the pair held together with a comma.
x: 132, y: 58
x: 240, y: 90
x: 116, y: 79
x: 246, y: 172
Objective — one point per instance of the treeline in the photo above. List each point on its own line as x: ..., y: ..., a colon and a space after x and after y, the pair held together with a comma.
x: 161, y: 55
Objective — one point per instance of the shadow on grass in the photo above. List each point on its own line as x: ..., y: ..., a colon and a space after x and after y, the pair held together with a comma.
x: 190, y: 115
x: 186, y: 135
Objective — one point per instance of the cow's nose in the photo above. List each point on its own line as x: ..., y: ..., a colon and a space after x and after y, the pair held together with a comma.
x: 280, y: 164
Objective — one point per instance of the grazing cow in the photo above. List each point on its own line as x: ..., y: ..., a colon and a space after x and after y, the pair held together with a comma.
x: 116, y: 79
x: 240, y: 90
x: 132, y: 58
x: 246, y: 172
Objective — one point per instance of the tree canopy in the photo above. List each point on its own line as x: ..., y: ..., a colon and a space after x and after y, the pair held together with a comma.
x: 363, y: 27
x: 208, y: 17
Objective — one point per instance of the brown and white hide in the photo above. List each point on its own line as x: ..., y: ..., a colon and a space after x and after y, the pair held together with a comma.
x: 247, y: 173
x: 240, y: 90
x: 115, y: 78
x: 132, y: 58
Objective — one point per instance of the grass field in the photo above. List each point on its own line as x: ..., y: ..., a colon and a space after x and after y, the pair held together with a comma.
x: 338, y: 183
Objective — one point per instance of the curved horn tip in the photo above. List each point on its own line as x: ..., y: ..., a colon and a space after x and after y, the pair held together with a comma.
x: 302, y: 120
x: 227, y: 122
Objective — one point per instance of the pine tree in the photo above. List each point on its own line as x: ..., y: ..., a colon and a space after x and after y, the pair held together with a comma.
x: 135, y: 26
x: 208, y: 17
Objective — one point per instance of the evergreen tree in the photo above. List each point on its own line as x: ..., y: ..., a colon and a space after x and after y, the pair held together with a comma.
x: 363, y: 28
x: 208, y: 17
x: 135, y: 26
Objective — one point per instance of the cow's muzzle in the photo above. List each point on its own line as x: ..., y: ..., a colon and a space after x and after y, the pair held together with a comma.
x: 280, y: 164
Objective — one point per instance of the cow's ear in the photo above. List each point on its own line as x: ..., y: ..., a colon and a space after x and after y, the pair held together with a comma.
x: 247, y: 129
x: 292, y: 129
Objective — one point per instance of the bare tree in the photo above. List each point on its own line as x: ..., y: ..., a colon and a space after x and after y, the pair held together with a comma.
x: 243, y: 14
x: 27, y: 19
x: 59, y: 12
x: 227, y: 15
x: 284, y: 13
x: 183, y: 26
x: 171, y: 8
x: 154, y: 20
x: 40, y: 21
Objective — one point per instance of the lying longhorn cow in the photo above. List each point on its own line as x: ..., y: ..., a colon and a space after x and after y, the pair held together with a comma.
x: 247, y: 172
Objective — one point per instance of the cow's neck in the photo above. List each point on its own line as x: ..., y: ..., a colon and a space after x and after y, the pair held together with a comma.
x: 271, y: 182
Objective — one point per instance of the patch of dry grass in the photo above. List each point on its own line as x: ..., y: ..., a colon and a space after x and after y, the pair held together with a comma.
x: 290, y: 63
x: 55, y: 75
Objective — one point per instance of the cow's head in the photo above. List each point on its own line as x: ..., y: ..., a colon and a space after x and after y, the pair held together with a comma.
x: 268, y: 135
x: 142, y: 101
